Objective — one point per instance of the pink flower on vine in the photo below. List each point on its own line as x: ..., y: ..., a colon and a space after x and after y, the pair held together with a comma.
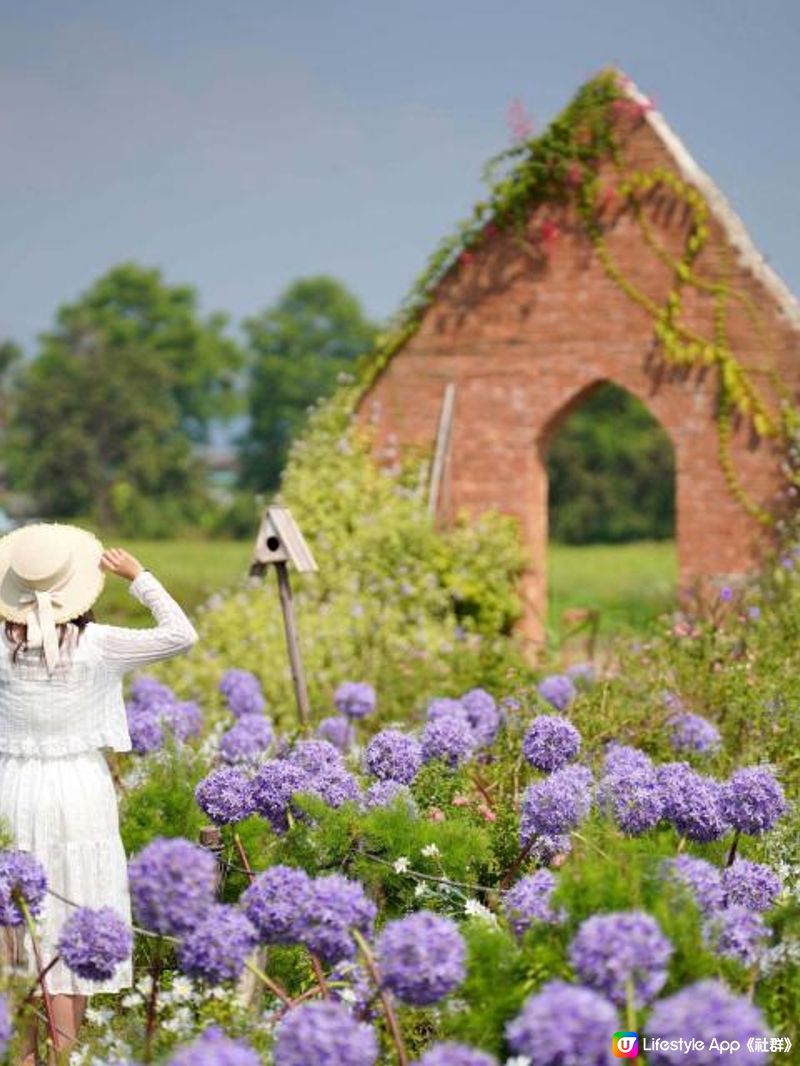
x: 519, y: 121
x: 549, y: 232
x: 490, y: 229
x: 467, y: 257
x: 574, y: 175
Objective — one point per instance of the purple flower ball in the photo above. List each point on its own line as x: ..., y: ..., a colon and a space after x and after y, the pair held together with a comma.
x: 354, y: 699
x: 147, y: 691
x: 583, y: 674
x: 6, y: 1027
x: 750, y: 884
x: 393, y: 756
x: 691, y: 732
x: 146, y: 731
x: 272, y: 787
x: 448, y: 739
x: 20, y: 872
x: 421, y: 957
x: 94, y: 942
x: 545, y: 848
x: 450, y: 1053
x: 386, y: 794
x: 275, y: 901
x: 707, y: 1010
x: 315, y: 755
x: 633, y: 796
x: 242, y: 692
x: 564, y: 1025
x: 444, y: 707
x: 611, y: 950
x: 621, y: 759
x: 224, y: 795
x: 325, y: 1034
x: 184, y: 718
x: 528, y: 902
x: 753, y: 801
x: 335, y: 786
x: 482, y: 714
x: 737, y: 933
x: 214, y: 1048
x: 216, y: 949
x: 333, y: 907
x: 700, y: 878
x: 172, y: 884
x: 247, y: 739
x: 693, y: 802
x: 337, y: 730
x: 551, y: 742
x: 558, y: 690
x: 557, y: 804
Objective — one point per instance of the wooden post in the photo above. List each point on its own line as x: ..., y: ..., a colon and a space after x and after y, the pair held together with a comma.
x: 442, y: 447
x: 290, y: 626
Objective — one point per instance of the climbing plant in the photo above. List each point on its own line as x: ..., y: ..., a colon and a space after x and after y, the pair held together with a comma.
x: 562, y: 166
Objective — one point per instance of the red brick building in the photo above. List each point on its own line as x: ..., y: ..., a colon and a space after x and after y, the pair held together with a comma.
x: 527, y: 325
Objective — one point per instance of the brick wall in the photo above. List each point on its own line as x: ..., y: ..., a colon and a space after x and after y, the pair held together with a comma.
x: 526, y: 337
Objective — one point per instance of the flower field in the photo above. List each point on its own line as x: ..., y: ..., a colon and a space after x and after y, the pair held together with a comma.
x: 468, y: 861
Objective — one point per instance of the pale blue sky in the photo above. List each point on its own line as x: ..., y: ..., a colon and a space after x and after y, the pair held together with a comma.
x: 240, y: 144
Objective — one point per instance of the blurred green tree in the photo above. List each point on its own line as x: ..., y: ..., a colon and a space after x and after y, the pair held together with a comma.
x: 104, y: 417
x: 612, y: 473
x: 298, y: 347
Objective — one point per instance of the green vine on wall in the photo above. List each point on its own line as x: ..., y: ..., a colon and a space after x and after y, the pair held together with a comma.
x: 562, y: 167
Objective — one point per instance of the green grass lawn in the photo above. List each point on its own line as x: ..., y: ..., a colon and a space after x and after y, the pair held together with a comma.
x: 627, y: 584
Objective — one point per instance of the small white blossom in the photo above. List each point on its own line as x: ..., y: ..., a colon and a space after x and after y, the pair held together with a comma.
x: 430, y: 851
x: 99, y: 1015
x: 145, y: 984
x: 519, y: 1060
x: 421, y: 889
x: 347, y: 995
x: 475, y: 909
x: 401, y: 865
x: 132, y: 999
x: 182, y: 989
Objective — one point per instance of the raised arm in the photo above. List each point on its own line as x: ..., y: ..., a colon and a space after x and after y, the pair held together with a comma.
x: 126, y: 648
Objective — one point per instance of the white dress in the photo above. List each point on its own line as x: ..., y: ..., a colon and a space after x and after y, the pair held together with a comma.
x: 57, y: 795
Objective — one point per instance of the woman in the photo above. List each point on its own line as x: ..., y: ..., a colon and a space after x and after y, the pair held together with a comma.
x: 61, y: 701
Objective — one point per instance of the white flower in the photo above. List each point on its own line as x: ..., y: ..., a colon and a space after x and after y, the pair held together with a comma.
x: 347, y: 995
x: 132, y: 999
x: 145, y: 984
x: 99, y: 1015
x: 421, y: 889
x: 519, y: 1060
x: 430, y: 851
x: 474, y: 909
x: 182, y: 989
x: 401, y: 865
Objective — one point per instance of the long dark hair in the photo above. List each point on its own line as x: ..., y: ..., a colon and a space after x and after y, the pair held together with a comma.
x: 80, y: 622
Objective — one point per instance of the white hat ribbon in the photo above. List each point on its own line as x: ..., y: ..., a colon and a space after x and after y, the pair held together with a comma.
x: 41, y: 624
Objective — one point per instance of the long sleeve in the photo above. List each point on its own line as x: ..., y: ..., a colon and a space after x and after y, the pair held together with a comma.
x: 125, y: 648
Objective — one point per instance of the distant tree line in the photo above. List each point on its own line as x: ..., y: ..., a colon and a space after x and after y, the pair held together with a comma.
x: 102, y: 423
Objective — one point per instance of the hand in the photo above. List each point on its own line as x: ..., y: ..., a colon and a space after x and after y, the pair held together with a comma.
x: 118, y: 561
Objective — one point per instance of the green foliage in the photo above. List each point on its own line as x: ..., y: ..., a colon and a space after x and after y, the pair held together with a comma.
x: 611, y: 473
x: 104, y: 417
x: 298, y: 349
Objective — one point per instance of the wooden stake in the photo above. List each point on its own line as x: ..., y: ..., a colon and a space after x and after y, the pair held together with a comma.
x: 298, y: 677
x: 442, y: 447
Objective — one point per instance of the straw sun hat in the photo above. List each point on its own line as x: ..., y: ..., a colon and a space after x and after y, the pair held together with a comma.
x: 49, y: 573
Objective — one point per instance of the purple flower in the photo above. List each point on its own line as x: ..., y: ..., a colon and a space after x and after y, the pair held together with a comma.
x: 325, y: 1034
x: 451, y: 1054
x: 94, y: 942
x: 22, y: 873
x: 421, y: 957
x: 337, y: 730
x: 528, y: 902
x: 247, y: 739
x: 275, y: 901
x: 707, y: 1011
x: 333, y: 906
x: 551, y: 742
x: 358, y: 993
x: 482, y: 714
x: 753, y: 801
x: 172, y: 884
x: 556, y: 804
x: 147, y: 691
x: 214, y: 1048
x: 582, y: 674
x: 564, y: 1025
x: 355, y: 699
x: 737, y: 933
x: 6, y: 1028
x: 393, y: 756
x: 611, y: 950
x: 315, y: 755
x: 558, y: 690
x: 754, y: 613
x: 386, y: 793
x: 693, y: 802
x: 448, y: 739
x: 545, y: 848
x: 621, y: 759
x: 272, y: 787
x: 224, y: 795
x: 335, y: 785
x: 726, y: 593
x: 632, y: 793
x: 751, y: 885
x: 444, y: 707
x: 701, y: 878
x: 184, y: 718
x: 242, y: 692
x: 691, y: 732
x: 216, y: 949
x: 145, y: 729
